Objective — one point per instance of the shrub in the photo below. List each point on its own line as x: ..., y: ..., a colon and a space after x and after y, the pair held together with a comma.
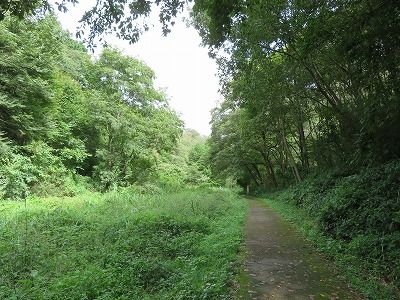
x: 17, y: 172
x: 35, y: 169
x: 361, y: 211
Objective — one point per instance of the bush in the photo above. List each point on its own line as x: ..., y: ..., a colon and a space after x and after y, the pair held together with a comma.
x: 360, y: 211
x: 17, y: 172
x: 35, y: 169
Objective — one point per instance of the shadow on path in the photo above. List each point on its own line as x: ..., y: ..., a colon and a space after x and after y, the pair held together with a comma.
x: 281, y: 265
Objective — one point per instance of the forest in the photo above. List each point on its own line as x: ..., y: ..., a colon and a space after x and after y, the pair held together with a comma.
x: 99, y: 178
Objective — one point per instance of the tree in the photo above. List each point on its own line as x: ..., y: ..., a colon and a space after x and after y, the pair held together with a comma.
x: 25, y: 75
x: 64, y: 115
x: 292, y: 72
x: 104, y: 17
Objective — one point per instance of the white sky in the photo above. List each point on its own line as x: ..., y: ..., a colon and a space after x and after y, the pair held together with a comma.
x: 182, y: 66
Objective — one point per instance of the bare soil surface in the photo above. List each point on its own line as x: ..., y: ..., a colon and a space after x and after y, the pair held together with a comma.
x: 280, y: 264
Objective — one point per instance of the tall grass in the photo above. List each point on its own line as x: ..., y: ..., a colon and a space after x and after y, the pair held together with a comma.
x: 121, y: 246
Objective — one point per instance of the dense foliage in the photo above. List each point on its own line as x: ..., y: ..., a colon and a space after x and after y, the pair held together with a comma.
x: 121, y: 245
x: 65, y: 117
x: 187, y: 166
x: 354, y: 219
x: 307, y: 84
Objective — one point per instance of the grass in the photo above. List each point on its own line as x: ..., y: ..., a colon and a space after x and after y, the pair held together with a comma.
x: 122, y: 246
x: 357, y: 270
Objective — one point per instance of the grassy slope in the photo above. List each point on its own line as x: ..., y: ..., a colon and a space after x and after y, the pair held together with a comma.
x: 354, y: 220
x: 121, y: 246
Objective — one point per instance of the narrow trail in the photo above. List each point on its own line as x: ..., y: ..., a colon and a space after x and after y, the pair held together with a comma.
x: 281, y: 265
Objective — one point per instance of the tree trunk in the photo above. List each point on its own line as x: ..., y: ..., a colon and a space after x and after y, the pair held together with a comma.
x: 303, y: 147
x: 269, y: 167
x: 252, y: 175
x: 258, y: 173
x: 290, y: 156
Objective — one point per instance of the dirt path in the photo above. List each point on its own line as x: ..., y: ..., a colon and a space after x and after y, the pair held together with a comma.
x: 281, y: 265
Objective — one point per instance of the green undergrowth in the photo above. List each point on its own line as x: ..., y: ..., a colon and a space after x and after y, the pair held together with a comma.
x: 354, y: 220
x: 122, y: 246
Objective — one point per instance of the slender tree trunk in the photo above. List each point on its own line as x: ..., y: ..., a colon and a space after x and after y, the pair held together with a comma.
x: 290, y: 155
x: 269, y: 167
x: 272, y: 172
x: 349, y: 123
x: 282, y: 158
x: 267, y: 160
x: 258, y: 173
x: 303, y: 147
x: 254, y: 177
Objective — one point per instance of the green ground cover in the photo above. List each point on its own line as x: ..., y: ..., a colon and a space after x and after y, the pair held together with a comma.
x: 122, y: 245
x: 354, y: 220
